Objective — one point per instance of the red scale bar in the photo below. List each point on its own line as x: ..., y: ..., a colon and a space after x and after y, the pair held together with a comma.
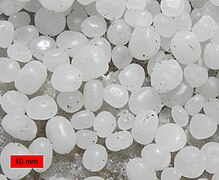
x: 26, y: 161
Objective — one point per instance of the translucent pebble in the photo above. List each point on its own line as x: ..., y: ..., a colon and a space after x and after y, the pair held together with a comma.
x: 66, y: 78
x: 54, y: 58
x: 187, y: 7
x: 144, y: 43
x: 119, y: 32
x: 211, y: 151
x: 157, y: 156
x: 93, y: 26
x: 195, y: 104
x: 40, y: 45
x: 183, y: 22
x: 136, y: 4
x: 125, y: 121
x: 190, y: 161
x: 166, y: 76
x: 9, y: 69
x: 43, y: 147
x: 94, y: 178
x: 95, y: 158
x: 91, y: 61
x: 11, y: 149
x: 104, y: 44
x: 19, y: 52
x: 71, y: 41
x: 10, y: 7
x: 211, y: 10
x: 171, y: 136
x: 111, y: 9
x: 137, y: 168
x: 25, y: 34
x: 31, y: 77
x: 172, y: 8
x: 19, y: 19
x: 170, y: 174
x: 202, y: 126
x: 85, y: 138
x: 195, y: 75
x: 153, y: 7
x: 61, y: 134
x: 32, y: 6
x: 205, y: 28
x: 19, y: 126
x: 180, y: 115
x: 196, y: 15
x: 57, y: 5
x: 211, y: 109
x: 165, y: 25
x: 104, y: 124
x: 75, y: 18
x: 82, y: 120
x: 70, y: 101
x: 211, y: 54
x: 198, y: 3
x: 14, y: 101
x: 116, y: 95
x: 144, y: 98
x: 41, y: 107
x: 48, y: 22
x: 215, y: 37
x: 210, y: 89
x: 93, y: 95
x: 145, y: 126
x: 6, y: 33
x: 91, y: 9
x: 132, y: 77
x: 187, y: 41
x: 178, y: 96
x: 119, y: 141
x: 138, y: 18
x: 121, y: 57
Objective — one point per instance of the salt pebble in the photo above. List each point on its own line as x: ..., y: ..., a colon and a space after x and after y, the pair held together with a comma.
x: 125, y: 121
x: 59, y: 130
x: 70, y: 102
x: 170, y: 174
x: 171, y: 136
x: 136, y: 4
x: 194, y: 104
x: 145, y: 126
x: 32, y: 6
x: 104, y: 124
x: 95, y: 157
x: 19, y: 126
x: 211, y: 54
x: 180, y: 115
x: 202, y: 126
x: 6, y: 33
x: 41, y: 107
x: 211, y: 109
x: 19, y: 19
x: 119, y: 141
x: 10, y: 7
x: 190, y: 161
x: 43, y: 147
x: 82, y: 120
x: 85, y: 138
x: 172, y: 8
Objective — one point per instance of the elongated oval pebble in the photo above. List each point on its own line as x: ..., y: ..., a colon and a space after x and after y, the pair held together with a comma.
x: 42, y: 146
x: 6, y: 33
x: 31, y: 77
x: 41, y: 107
x: 119, y: 141
x: 59, y: 130
x: 211, y: 109
x: 13, y: 149
x: 19, y: 126
x: 95, y: 158
x: 86, y: 138
x: 180, y: 115
x: 82, y: 120
x: 145, y: 127
x: 211, y: 54
x: 104, y: 124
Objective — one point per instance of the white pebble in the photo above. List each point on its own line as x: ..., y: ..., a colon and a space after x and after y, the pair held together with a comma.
x: 19, y: 19
x: 136, y: 4
x: 211, y: 54
x: 43, y: 147
x: 194, y: 105
x: 145, y: 127
x: 19, y: 126
x: 32, y: 6
x: 172, y: 8
x: 61, y: 134
x: 104, y: 124
x: 66, y: 78
x: 170, y: 174
x: 171, y: 136
x: 125, y: 121
x: 85, y: 138
x: 202, y: 126
x: 119, y: 141
x: 211, y: 109
x: 31, y: 77
x: 95, y: 157
x: 190, y: 161
x: 180, y: 115
x: 6, y: 33
x: 10, y: 7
